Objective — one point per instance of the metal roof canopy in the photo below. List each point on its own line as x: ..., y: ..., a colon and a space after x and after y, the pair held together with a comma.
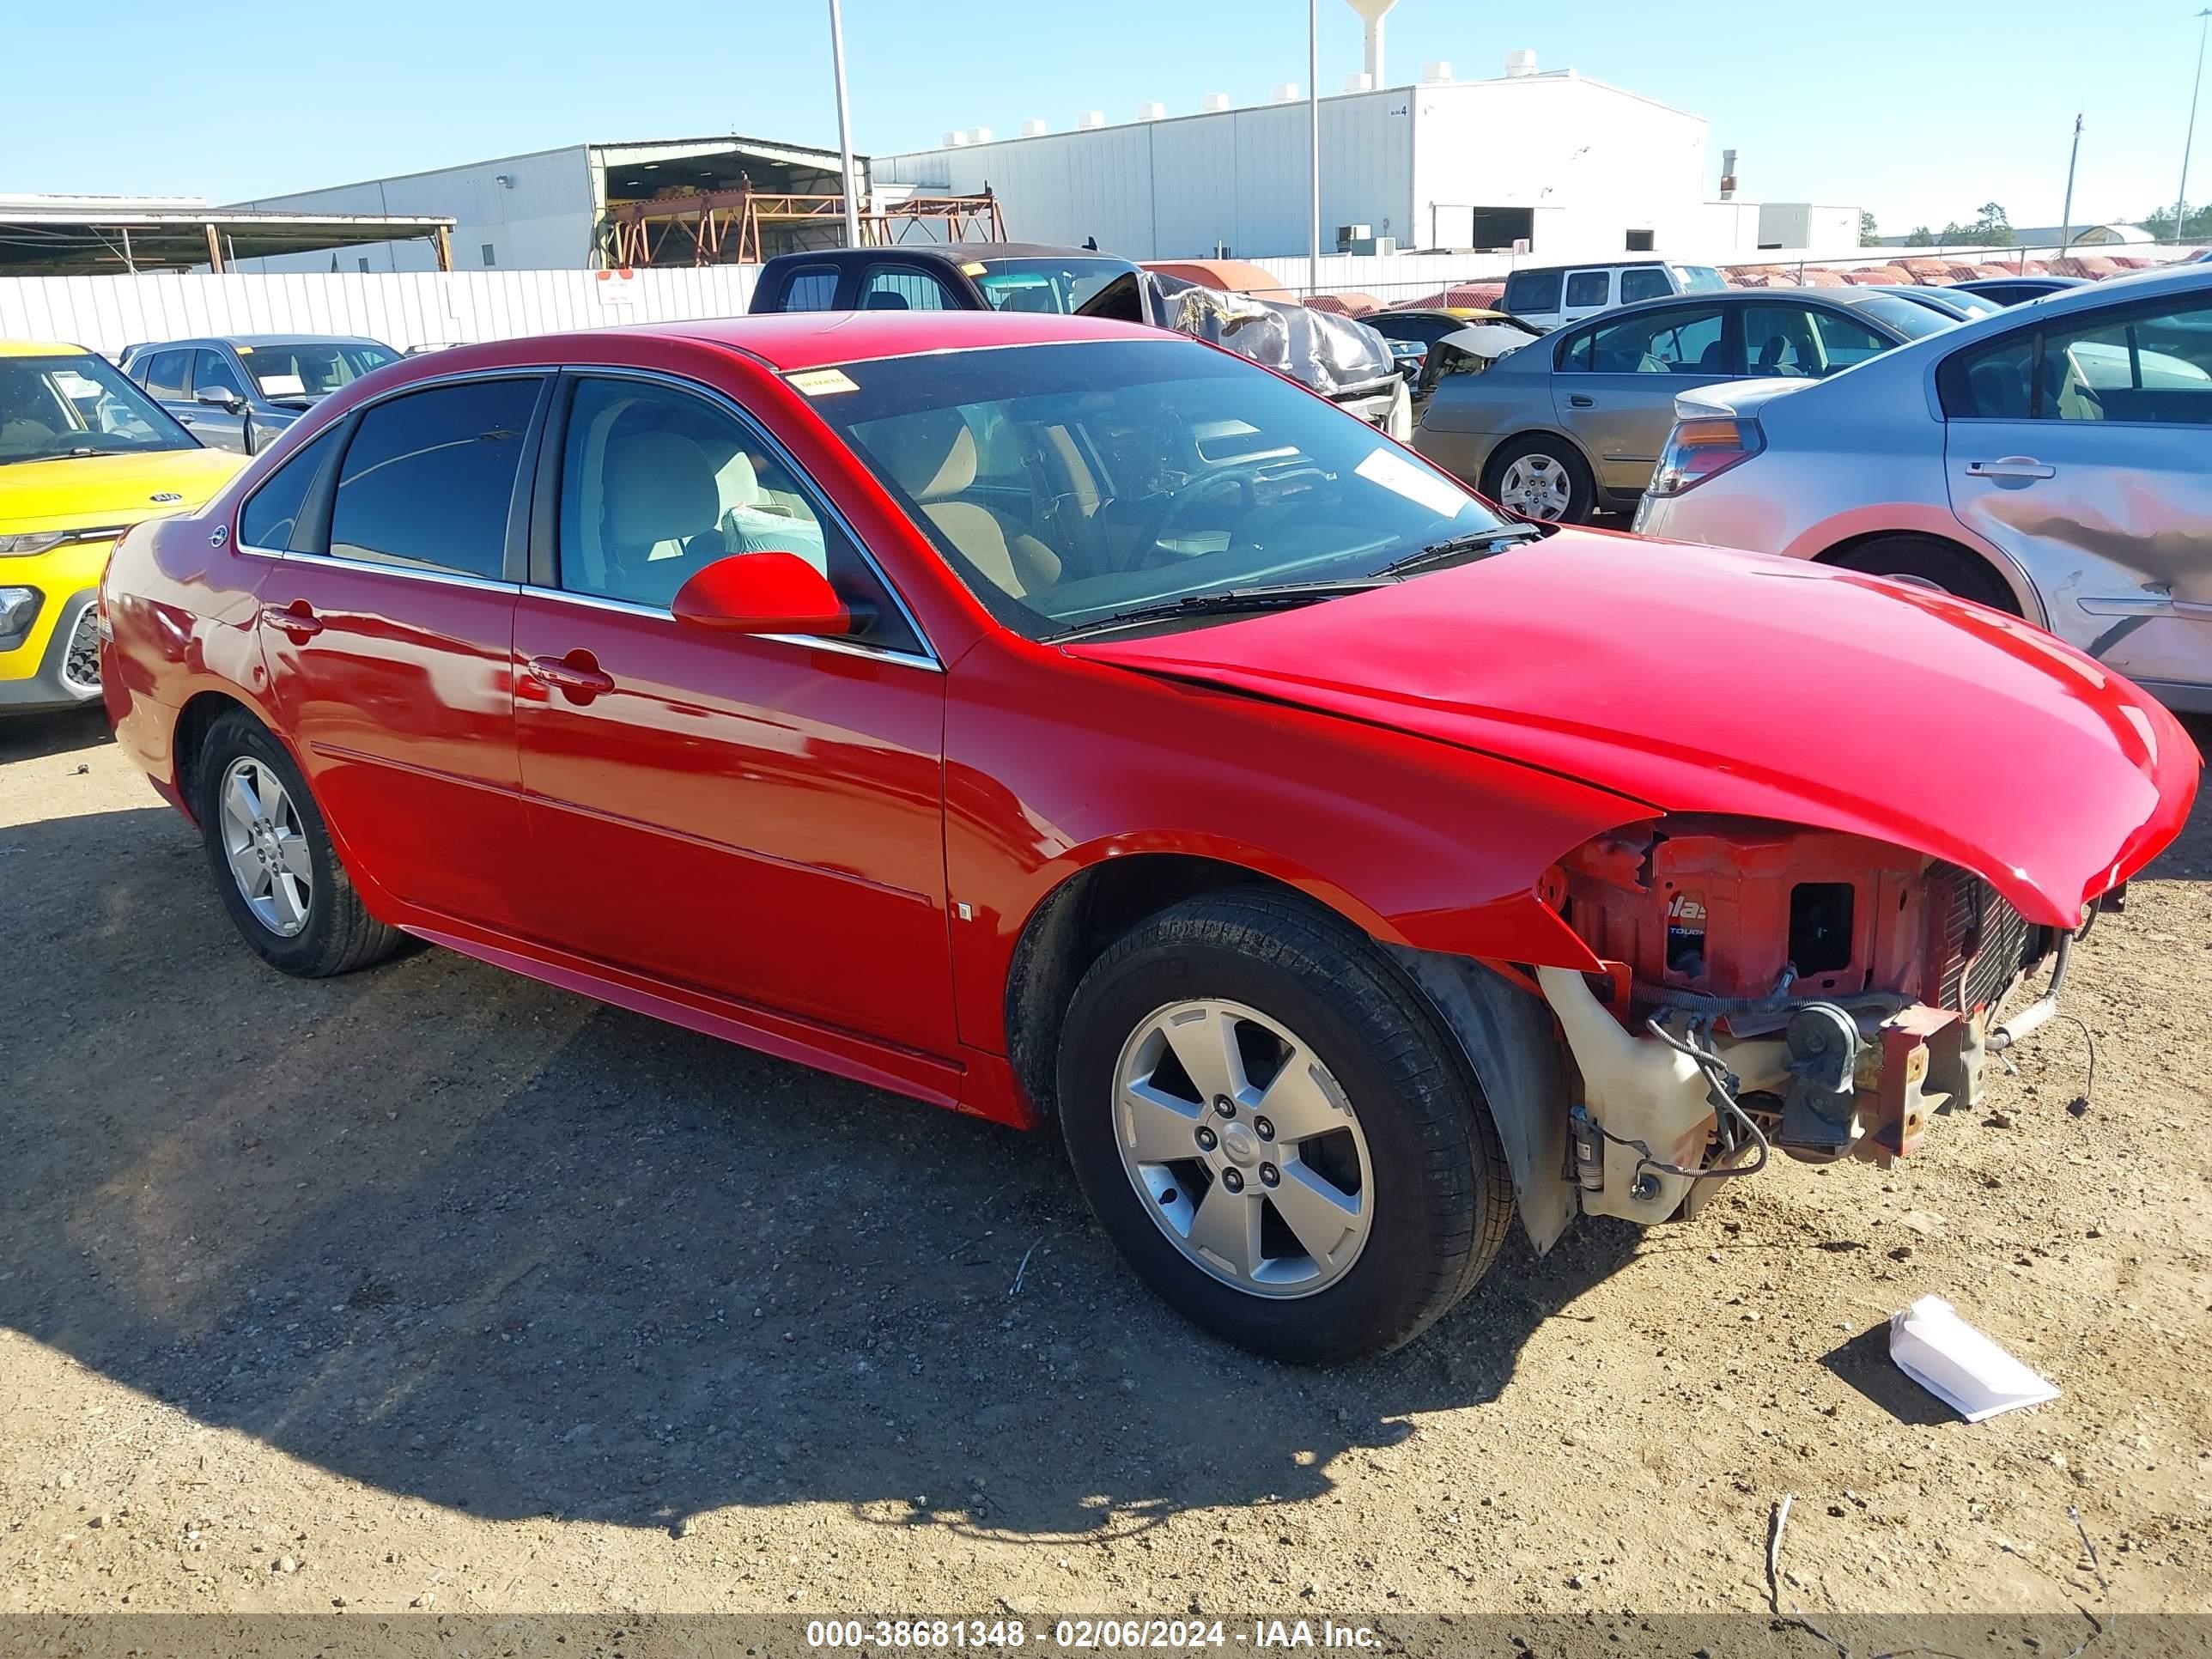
x: 68, y: 241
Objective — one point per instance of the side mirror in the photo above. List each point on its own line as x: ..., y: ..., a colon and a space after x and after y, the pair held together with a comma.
x: 764, y: 594
x: 216, y: 397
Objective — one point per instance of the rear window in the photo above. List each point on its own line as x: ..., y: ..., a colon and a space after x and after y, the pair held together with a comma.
x: 1700, y: 279
x: 1534, y: 290
x: 811, y: 288
x: 273, y: 510
x: 1906, y: 316
x: 427, y: 479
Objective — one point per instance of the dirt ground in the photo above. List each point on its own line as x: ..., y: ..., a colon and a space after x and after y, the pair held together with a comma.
x: 434, y: 1287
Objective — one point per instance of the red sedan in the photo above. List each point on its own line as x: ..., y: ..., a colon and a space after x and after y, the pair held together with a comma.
x: 1061, y: 721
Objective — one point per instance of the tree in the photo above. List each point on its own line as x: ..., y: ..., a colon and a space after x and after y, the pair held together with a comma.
x: 1870, y: 232
x: 2197, y: 228
x: 1991, y: 226
x: 1920, y: 237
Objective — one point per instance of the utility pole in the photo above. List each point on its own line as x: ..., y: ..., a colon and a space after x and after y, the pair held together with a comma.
x: 1313, y: 147
x: 2181, y: 202
x: 846, y: 182
x: 2066, y: 228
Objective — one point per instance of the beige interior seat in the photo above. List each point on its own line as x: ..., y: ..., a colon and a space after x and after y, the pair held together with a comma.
x: 932, y: 458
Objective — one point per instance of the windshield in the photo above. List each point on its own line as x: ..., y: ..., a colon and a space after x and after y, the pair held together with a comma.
x: 76, y: 404
x: 312, y: 368
x: 1066, y: 483
x: 1910, y: 318
x: 1700, y: 279
x: 1061, y: 285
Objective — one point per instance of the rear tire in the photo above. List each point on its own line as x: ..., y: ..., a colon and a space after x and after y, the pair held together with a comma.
x: 270, y: 854
x: 1927, y: 563
x: 1542, y: 479
x: 1326, y: 1034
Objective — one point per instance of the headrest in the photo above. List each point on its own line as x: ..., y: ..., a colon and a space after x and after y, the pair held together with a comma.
x: 659, y: 487
x: 930, y: 455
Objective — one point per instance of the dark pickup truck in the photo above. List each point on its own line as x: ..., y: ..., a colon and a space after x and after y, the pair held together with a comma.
x: 1344, y: 360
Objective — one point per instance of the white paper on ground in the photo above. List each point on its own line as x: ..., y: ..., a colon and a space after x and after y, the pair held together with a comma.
x: 1959, y: 1366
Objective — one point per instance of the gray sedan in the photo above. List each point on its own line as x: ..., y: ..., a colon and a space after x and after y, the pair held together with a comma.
x: 238, y: 391
x: 2053, y: 461
x: 1573, y: 422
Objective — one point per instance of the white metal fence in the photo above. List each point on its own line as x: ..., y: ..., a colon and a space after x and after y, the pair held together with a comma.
x: 401, y: 308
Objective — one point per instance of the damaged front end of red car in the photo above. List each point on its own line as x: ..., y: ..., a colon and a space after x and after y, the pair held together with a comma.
x: 1774, y: 989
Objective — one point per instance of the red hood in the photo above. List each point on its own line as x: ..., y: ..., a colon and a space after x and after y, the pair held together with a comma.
x: 1705, y: 681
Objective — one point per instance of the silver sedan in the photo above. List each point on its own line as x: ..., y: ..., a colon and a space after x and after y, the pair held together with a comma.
x: 2053, y: 461
x: 1573, y: 422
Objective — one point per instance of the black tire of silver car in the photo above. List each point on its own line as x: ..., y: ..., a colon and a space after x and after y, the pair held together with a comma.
x: 1930, y: 563
x: 1410, y: 1163
x: 1548, y: 457
x: 271, y: 857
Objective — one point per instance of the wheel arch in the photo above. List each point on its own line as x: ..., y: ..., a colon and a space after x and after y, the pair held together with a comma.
x: 1998, y: 563
x: 1553, y: 433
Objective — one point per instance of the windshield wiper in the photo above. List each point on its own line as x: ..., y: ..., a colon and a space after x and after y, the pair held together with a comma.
x: 1279, y: 596
x: 80, y: 450
x: 1480, y: 541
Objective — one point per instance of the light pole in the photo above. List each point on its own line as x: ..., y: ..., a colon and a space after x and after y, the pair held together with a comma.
x: 1313, y: 147
x: 2066, y: 228
x: 2181, y: 202
x: 844, y: 129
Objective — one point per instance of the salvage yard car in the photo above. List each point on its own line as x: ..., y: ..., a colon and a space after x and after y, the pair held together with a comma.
x: 2053, y: 461
x: 238, y: 391
x: 1067, y: 722
x: 1560, y: 428
x: 83, y: 455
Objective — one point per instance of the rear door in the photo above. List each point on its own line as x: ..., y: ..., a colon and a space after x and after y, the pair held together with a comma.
x: 1588, y: 292
x: 1614, y: 388
x: 2084, y: 448
x: 388, y: 628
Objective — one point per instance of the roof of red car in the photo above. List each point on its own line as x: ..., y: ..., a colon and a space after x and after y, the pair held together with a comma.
x: 816, y: 339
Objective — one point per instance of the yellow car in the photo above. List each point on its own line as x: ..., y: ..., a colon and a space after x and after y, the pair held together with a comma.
x: 84, y: 455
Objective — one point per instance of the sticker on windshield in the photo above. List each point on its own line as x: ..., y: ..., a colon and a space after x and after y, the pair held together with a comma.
x: 74, y: 386
x: 281, y: 386
x: 243, y: 351
x: 821, y: 382
x: 1416, y: 483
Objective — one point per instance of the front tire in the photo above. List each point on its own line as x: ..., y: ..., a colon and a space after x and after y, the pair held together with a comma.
x: 1275, y: 1130
x: 272, y: 861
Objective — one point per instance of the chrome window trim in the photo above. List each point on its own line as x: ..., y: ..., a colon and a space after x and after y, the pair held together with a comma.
x: 371, y: 567
x: 662, y: 613
x: 816, y: 494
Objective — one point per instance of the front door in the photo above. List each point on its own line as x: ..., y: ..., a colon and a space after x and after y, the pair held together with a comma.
x: 225, y: 424
x: 1614, y: 388
x: 389, y: 639
x: 2084, y: 450
x: 760, y: 818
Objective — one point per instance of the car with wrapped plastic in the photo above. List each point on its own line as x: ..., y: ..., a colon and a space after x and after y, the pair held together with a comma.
x: 1342, y: 359
x: 1070, y: 723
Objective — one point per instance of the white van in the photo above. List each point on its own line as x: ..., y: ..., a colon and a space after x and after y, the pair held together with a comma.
x: 1552, y: 295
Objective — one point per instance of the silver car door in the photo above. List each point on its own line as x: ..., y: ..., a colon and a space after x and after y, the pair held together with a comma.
x: 223, y: 424
x: 1614, y: 389
x: 2084, y: 448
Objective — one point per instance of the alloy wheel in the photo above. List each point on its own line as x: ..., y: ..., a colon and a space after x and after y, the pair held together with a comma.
x: 1243, y: 1147
x: 1536, y: 487
x: 267, y: 851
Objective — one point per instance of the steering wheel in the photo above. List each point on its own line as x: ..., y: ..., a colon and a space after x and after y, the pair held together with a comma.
x: 1183, y: 503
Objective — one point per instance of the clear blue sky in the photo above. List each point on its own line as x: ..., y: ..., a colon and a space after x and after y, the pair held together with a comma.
x: 1920, y: 111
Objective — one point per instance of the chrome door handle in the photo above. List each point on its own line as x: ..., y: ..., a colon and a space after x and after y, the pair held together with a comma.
x: 579, y: 680
x: 297, y: 619
x: 2022, y: 467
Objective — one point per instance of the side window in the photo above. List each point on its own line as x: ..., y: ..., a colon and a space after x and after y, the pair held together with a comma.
x: 272, y: 511
x: 1588, y: 287
x: 1845, y: 341
x: 1574, y: 354
x: 656, y: 485
x: 165, y: 374
x: 1532, y: 291
x: 902, y: 288
x: 1645, y: 283
x: 2152, y: 367
x: 1682, y: 340
x: 426, y: 482
x: 811, y: 288
x: 212, y: 369
x: 1777, y: 340
x: 1991, y: 382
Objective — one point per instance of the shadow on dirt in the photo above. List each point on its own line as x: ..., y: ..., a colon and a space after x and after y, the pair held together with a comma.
x: 33, y: 737
x: 461, y: 1237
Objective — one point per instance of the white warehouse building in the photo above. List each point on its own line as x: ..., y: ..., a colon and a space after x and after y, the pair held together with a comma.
x: 1575, y: 168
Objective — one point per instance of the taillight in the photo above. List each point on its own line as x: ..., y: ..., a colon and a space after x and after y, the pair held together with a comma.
x: 1704, y: 447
